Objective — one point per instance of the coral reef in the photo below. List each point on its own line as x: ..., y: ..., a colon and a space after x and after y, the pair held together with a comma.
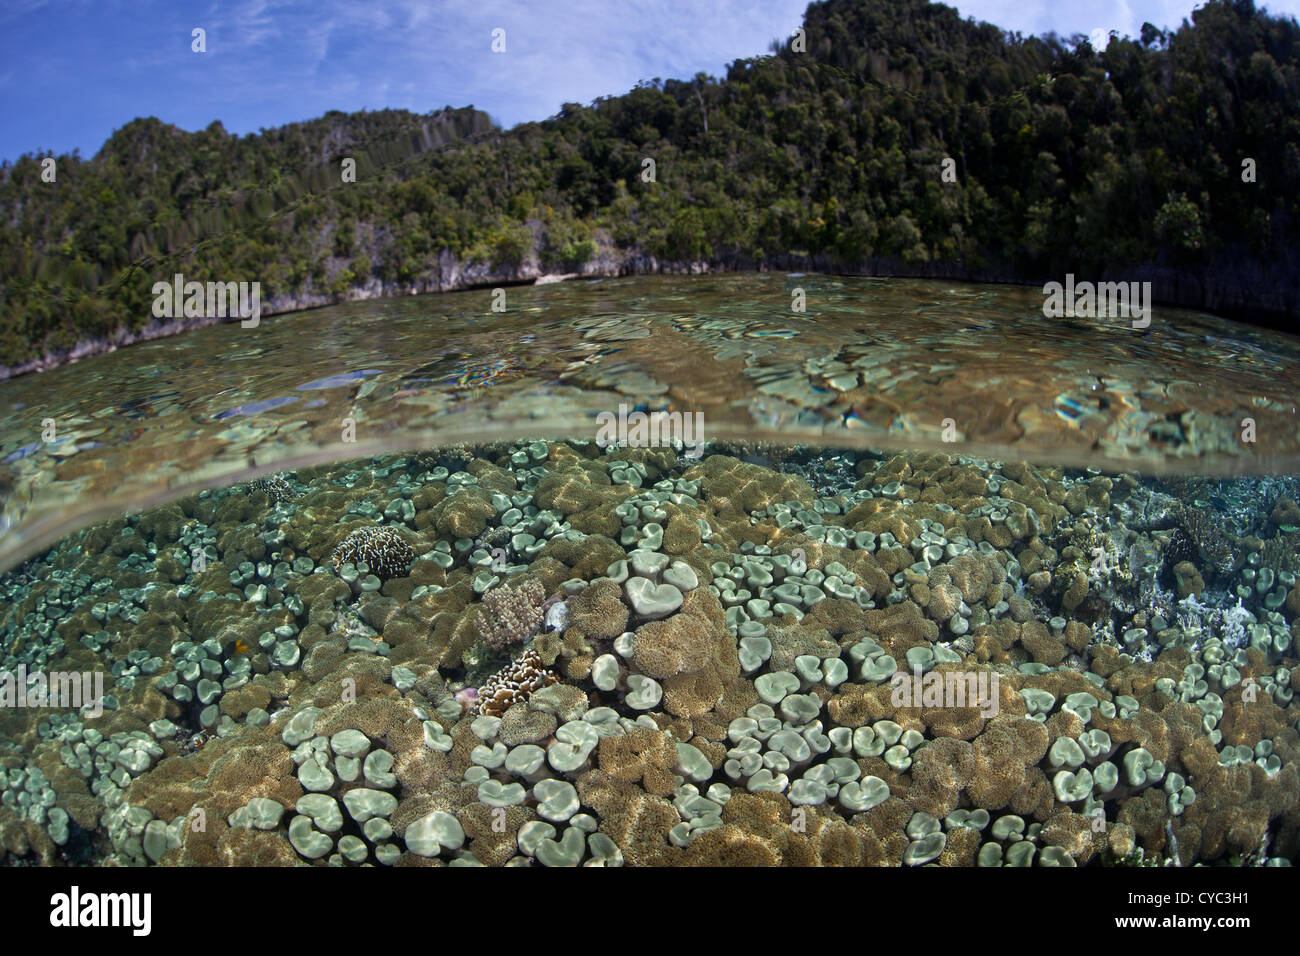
x: 765, y: 657
x: 275, y: 488
x: 511, y: 614
x: 513, y: 684
x: 382, y: 549
x: 1205, y: 530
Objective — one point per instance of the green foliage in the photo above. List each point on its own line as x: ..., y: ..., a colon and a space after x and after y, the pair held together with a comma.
x: 1179, y: 223
x: 568, y: 243
x: 1067, y: 160
x: 510, y: 244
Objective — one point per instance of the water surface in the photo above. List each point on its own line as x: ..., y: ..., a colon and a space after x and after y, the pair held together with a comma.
x: 879, y: 362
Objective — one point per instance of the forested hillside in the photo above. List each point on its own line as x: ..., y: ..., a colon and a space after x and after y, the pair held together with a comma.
x: 1126, y: 163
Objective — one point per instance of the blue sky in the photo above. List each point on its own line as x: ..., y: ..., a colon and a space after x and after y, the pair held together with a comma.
x: 72, y: 71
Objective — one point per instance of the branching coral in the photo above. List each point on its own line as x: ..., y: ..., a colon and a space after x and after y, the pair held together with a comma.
x: 1201, y: 622
x: 1279, y: 554
x: 515, y: 682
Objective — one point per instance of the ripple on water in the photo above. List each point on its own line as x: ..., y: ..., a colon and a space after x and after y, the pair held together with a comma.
x: 255, y: 408
x: 872, y: 360
x: 339, y: 381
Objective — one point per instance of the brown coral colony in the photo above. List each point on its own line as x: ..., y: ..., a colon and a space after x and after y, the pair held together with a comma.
x: 513, y: 684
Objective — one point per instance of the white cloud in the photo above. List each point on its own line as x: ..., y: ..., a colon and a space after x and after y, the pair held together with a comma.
x: 1123, y: 16
x: 14, y: 9
x: 420, y: 55
x: 276, y: 61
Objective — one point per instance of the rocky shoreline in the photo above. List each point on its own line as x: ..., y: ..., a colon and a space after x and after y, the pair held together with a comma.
x: 1233, y: 290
